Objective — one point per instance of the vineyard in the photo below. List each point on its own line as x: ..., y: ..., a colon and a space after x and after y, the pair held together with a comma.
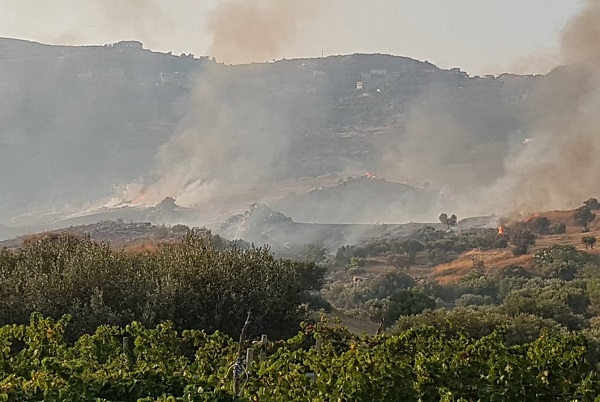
x: 323, y: 362
x: 198, y: 320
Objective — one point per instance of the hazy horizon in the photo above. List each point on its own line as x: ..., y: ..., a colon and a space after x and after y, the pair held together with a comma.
x: 122, y: 127
x: 480, y: 37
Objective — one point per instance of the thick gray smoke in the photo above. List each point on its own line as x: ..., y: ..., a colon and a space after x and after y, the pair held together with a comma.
x: 557, y: 169
x: 232, y: 134
x: 538, y: 151
x: 484, y: 147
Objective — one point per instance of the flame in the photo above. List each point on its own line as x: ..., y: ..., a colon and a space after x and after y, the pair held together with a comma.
x: 140, y: 199
x: 501, y: 230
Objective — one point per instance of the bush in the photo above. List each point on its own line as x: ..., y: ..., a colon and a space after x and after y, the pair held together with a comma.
x: 558, y: 228
x: 540, y: 225
x: 561, y: 261
x: 480, y: 321
x: 189, y: 283
x: 470, y: 299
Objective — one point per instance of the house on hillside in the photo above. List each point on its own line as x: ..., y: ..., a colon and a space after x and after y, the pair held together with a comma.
x: 128, y: 45
x: 377, y: 72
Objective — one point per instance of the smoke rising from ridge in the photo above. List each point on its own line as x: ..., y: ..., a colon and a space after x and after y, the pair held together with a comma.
x: 232, y: 134
x: 558, y: 168
x: 233, y: 131
x: 256, y: 30
x: 242, y: 125
x: 538, y: 151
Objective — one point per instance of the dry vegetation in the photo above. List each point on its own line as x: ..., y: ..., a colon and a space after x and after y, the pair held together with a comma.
x: 490, y: 260
x: 493, y: 259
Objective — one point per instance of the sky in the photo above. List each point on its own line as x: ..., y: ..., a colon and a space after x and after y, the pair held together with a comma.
x: 479, y: 36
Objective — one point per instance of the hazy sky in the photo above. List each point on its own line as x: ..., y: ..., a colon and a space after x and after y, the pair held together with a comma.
x: 480, y: 36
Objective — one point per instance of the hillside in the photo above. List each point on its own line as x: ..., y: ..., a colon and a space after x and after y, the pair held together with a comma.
x: 102, y: 120
x: 364, y: 199
x: 496, y: 259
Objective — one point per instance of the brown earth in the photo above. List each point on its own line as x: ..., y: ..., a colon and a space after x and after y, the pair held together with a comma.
x: 495, y: 259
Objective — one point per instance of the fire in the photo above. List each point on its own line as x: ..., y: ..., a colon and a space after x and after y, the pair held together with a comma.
x: 501, y: 230
x: 140, y: 199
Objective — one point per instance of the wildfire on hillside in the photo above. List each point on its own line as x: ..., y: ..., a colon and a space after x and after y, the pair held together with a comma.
x: 501, y: 230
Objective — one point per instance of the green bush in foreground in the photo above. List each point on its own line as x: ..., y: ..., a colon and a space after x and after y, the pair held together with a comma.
x: 189, y: 283
x: 162, y: 364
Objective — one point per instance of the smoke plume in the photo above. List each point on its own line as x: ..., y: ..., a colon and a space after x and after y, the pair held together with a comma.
x: 538, y: 151
x: 233, y: 136
x: 557, y: 169
x: 234, y: 132
x: 256, y: 30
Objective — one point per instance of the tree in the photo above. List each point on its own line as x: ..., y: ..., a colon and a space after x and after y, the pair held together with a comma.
x: 589, y: 241
x: 452, y: 220
x: 540, y: 225
x: 406, y: 302
x: 343, y: 256
x: 557, y: 228
x: 561, y: 261
x: 584, y: 216
x: 412, y: 247
x: 190, y: 283
x: 592, y: 203
x: 522, y: 239
x: 448, y: 221
x: 315, y: 253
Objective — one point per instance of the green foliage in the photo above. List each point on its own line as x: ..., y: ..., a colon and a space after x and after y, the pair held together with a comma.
x: 448, y: 221
x: 407, y: 302
x: 561, y: 261
x: 315, y: 253
x: 161, y: 364
x: 440, y: 246
x: 477, y: 322
x: 189, y: 283
x: 477, y: 283
x: 521, y: 240
x: 589, y: 241
x: 512, y: 271
x: 374, y: 288
x: 540, y: 225
x: 565, y: 302
x: 411, y: 247
x: 470, y: 299
x: 584, y: 216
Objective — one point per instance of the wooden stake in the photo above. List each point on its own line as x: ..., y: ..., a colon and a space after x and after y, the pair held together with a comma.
x: 249, y: 358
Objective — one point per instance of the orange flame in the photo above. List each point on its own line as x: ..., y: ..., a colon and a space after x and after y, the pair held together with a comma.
x: 140, y: 199
x: 501, y: 230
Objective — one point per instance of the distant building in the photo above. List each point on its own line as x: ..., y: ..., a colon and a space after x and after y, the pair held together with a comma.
x: 359, y: 85
x: 318, y: 73
x: 378, y: 72
x: 85, y: 76
x: 130, y: 44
